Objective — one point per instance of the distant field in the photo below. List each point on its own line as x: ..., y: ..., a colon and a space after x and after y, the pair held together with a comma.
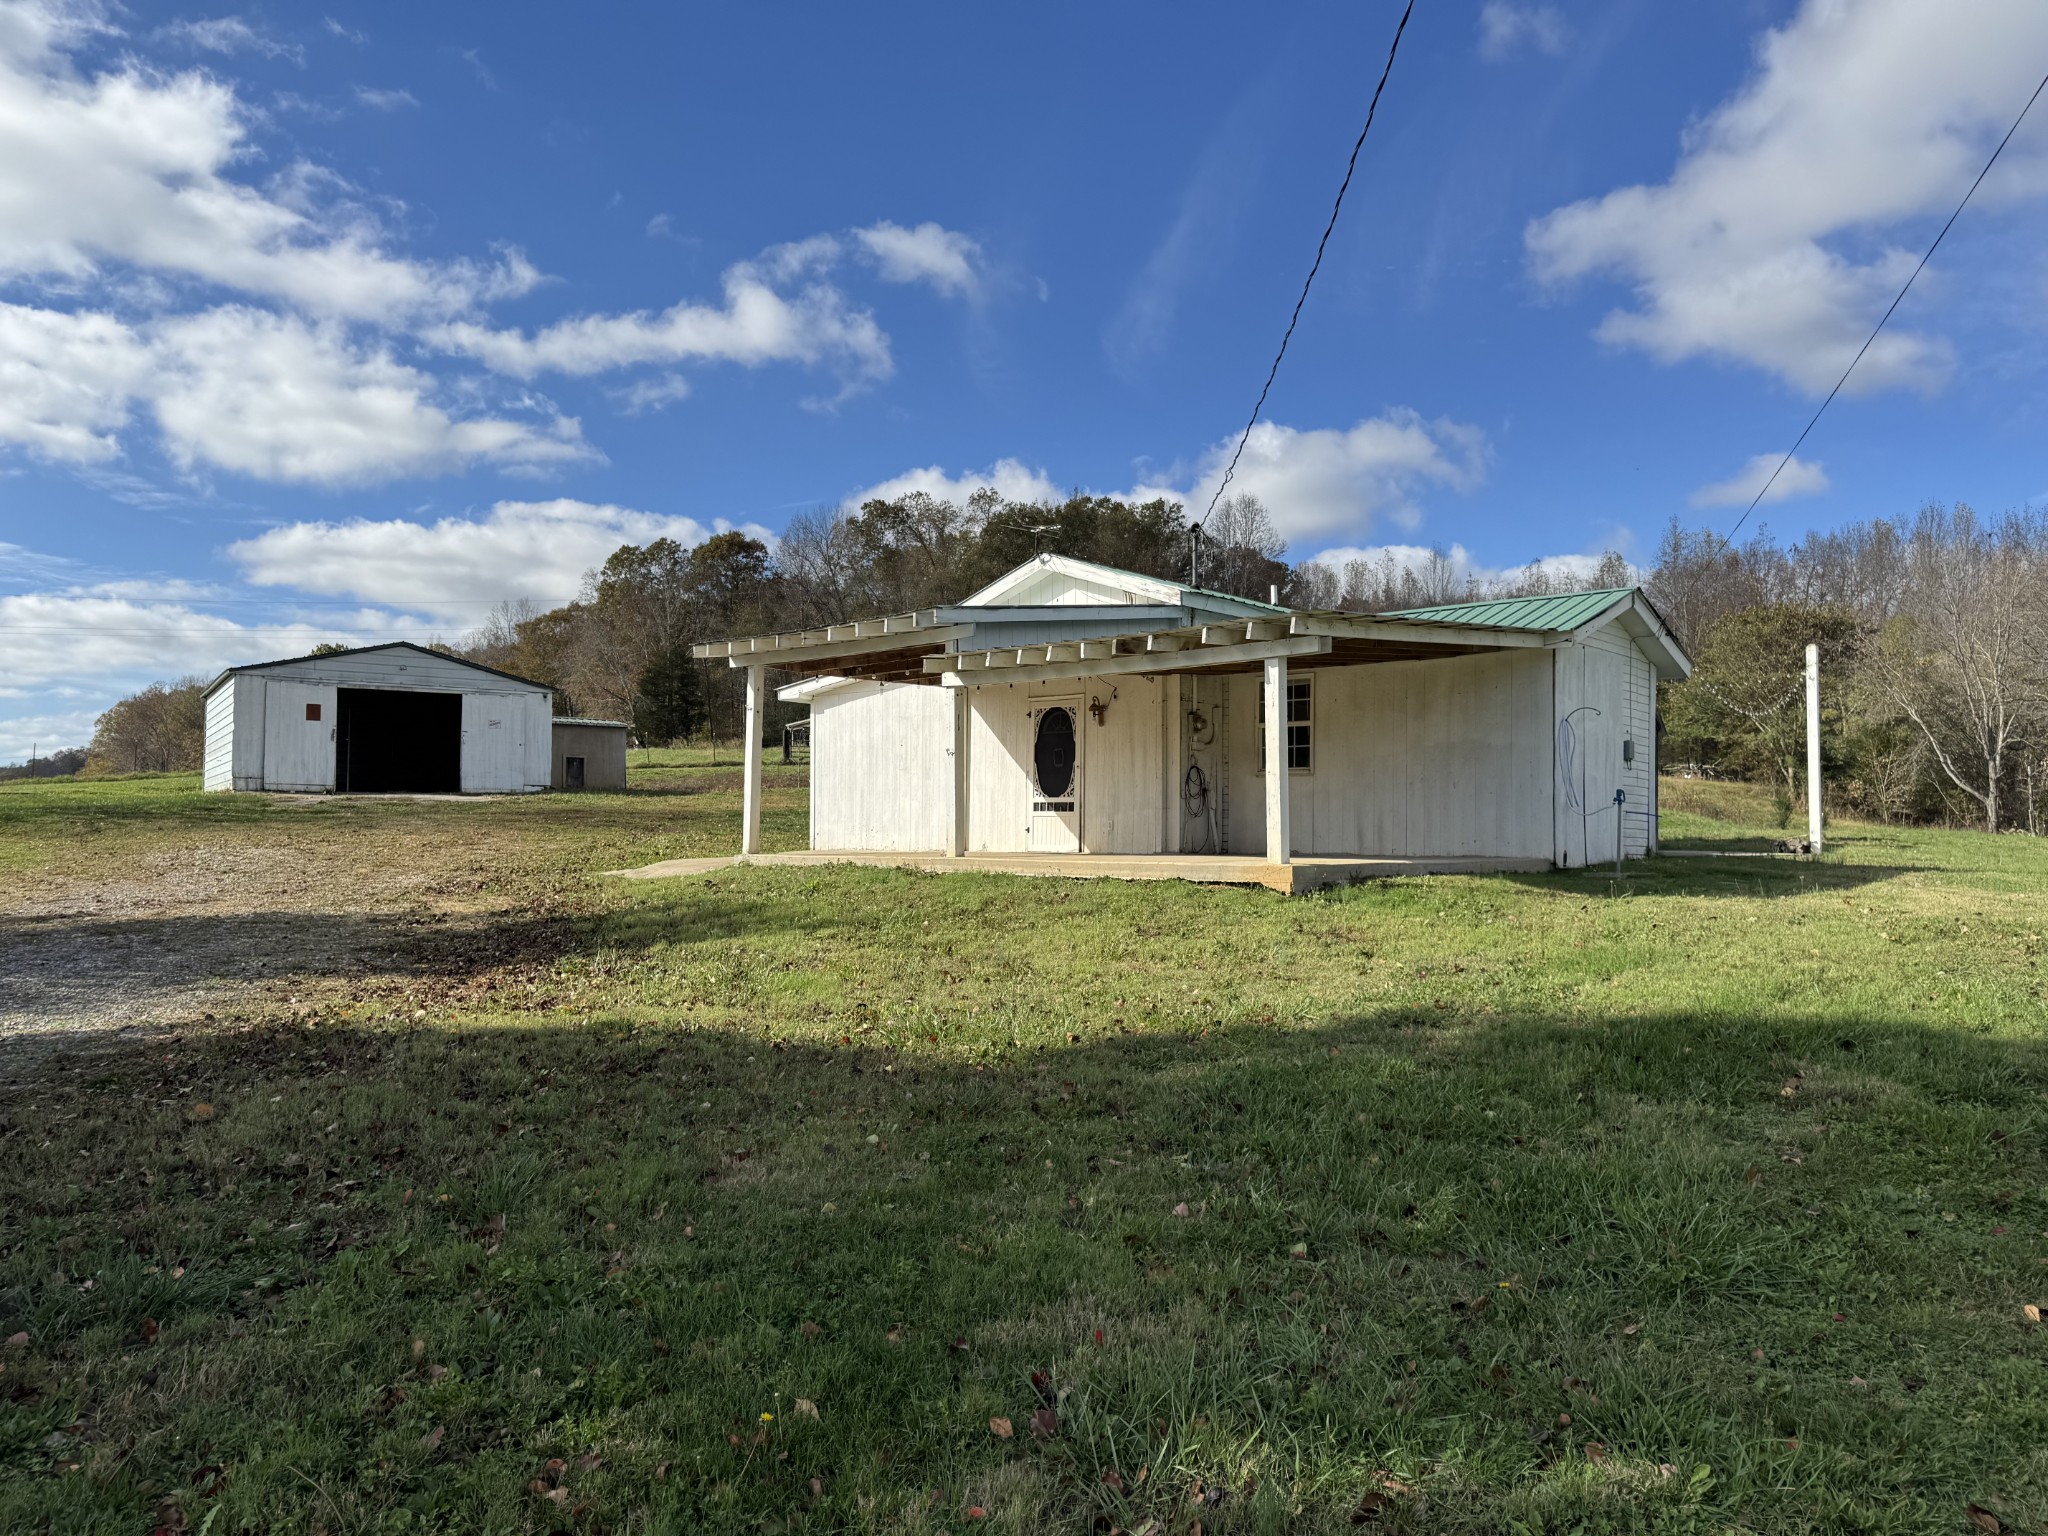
x: 385, y: 1171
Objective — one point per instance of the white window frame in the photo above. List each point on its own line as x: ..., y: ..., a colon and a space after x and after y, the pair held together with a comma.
x: 1306, y: 725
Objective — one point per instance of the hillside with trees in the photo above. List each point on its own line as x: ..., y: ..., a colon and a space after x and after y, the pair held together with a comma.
x: 1931, y: 629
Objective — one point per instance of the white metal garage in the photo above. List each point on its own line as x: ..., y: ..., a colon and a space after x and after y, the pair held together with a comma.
x: 394, y: 718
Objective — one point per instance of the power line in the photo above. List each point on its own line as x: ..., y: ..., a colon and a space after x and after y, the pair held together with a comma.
x: 1271, y: 373
x: 2015, y: 128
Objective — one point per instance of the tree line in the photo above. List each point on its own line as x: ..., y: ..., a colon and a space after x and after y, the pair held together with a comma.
x: 1931, y: 630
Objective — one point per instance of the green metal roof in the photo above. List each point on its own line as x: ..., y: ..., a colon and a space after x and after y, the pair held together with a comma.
x: 1562, y: 613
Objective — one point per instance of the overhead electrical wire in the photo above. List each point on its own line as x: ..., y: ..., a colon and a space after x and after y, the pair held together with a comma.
x: 1757, y: 500
x: 1316, y: 266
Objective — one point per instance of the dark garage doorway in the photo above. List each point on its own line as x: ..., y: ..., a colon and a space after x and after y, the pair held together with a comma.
x: 387, y: 741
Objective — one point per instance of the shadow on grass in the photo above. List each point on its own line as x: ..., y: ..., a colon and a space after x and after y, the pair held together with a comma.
x: 787, y: 1280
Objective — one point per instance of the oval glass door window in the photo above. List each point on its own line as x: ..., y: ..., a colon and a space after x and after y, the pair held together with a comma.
x: 1052, y: 754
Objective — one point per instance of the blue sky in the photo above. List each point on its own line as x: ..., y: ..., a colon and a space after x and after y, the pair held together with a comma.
x: 350, y: 324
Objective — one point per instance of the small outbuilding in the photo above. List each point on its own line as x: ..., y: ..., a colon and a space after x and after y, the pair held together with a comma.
x: 589, y: 754
x: 392, y: 719
x: 1072, y: 718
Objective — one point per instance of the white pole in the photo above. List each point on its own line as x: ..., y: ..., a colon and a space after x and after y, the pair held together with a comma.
x: 956, y: 836
x: 750, y: 758
x: 1813, y: 746
x: 1278, y: 801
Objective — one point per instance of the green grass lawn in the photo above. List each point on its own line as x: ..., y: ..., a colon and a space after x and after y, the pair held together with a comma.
x: 849, y: 1199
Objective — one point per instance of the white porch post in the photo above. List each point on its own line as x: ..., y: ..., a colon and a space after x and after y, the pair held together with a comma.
x: 1279, y: 844
x: 1813, y: 830
x: 956, y: 845
x: 750, y: 773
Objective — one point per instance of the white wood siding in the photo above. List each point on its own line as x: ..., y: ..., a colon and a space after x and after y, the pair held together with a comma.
x: 298, y: 754
x: 219, y: 770
x: 1409, y: 759
x: 1608, y: 672
x: 1062, y: 589
x: 1122, y: 764
x: 507, y: 742
x: 881, y: 771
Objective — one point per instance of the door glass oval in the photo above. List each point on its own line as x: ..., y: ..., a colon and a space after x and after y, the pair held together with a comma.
x: 1052, y: 753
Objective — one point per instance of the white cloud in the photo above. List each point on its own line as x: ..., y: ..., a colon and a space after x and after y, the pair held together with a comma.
x: 644, y: 395
x: 271, y: 330
x: 930, y: 253
x: 44, y: 734
x: 1505, y: 29
x: 816, y: 325
x: 1768, y: 245
x: 519, y: 549
x: 66, y: 381
x: 1010, y: 478
x: 105, y: 644
x: 1318, y: 484
x: 1326, y: 483
x: 230, y: 34
x: 1798, y: 478
x: 131, y: 167
x: 281, y: 399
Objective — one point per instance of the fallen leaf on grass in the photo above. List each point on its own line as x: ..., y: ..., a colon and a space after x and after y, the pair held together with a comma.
x: 976, y: 1512
x: 1298, y: 1251
x: 2030, y: 1312
x: 202, y: 1111
x: 1001, y: 1428
x: 805, y: 1408
x: 589, y: 1461
x: 895, y: 1335
x: 1596, y: 1452
x: 1633, y: 1329
x: 1113, y: 1480
x: 809, y: 1330
x: 1044, y: 1421
x: 431, y: 1440
x: 1984, y: 1520
x: 17, y: 1341
x: 149, y: 1330
x: 1181, y: 1209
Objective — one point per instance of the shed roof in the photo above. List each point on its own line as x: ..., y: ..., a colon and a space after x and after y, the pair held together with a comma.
x: 362, y: 650
x: 1564, y: 611
x: 618, y: 725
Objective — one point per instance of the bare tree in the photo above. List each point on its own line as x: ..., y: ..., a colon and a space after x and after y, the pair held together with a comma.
x: 1240, y: 549
x: 1963, y: 660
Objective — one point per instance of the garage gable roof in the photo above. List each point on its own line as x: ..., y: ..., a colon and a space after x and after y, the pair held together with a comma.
x: 364, y: 650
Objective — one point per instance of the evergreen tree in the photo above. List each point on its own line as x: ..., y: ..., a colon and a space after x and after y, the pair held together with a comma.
x: 669, y: 705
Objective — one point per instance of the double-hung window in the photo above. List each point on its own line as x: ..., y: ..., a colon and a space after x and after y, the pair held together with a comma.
x: 1300, y: 726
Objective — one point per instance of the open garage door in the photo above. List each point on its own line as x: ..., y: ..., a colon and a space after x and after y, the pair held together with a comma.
x: 390, y: 741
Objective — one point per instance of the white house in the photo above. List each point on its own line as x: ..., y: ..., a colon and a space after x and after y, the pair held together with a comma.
x: 390, y: 718
x: 1074, y: 709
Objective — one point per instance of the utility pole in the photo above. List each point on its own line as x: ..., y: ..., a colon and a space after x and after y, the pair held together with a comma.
x: 1813, y: 834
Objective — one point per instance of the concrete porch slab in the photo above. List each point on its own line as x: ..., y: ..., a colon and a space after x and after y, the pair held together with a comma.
x: 1304, y: 874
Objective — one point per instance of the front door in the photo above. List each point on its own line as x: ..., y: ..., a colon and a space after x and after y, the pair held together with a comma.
x: 1055, y: 777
